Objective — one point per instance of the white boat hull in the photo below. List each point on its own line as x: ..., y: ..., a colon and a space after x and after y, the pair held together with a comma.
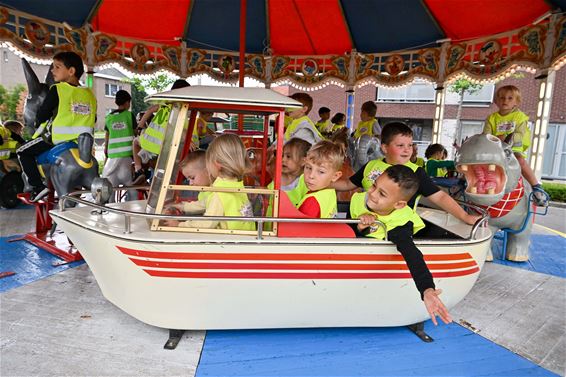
x: 211, y: 281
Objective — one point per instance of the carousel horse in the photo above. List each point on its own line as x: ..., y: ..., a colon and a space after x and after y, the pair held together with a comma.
x: 68, y: 165
x: 494, y: 182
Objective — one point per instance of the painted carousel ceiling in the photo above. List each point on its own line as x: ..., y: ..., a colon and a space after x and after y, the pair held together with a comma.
x: 305, y: 42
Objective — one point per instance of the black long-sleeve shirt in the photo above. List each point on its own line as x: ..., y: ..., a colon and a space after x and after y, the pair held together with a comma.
x: 402, y: 237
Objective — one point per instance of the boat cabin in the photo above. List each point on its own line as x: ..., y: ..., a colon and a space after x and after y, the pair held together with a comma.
x: 169, y: 186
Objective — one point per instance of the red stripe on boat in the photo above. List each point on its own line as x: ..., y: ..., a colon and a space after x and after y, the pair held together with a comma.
x: 294, y: 266
x: 306, y: 275
x: 285, y: 256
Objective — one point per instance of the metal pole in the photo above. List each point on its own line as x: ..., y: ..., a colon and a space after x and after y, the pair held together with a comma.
x: 242, y: 65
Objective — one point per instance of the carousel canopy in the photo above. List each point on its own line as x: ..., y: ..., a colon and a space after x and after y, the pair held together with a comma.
x: 304, y: 41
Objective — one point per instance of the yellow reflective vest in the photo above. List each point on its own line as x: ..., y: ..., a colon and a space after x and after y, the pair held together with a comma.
x: 397, y: 217
x: 296, y: 122
x: 375, y: 168
x: 120, y: 134
x: 516, y: 123
x: 234, y: 204
x: 326, y: 199
x: 9, y: 145
x: 365, y: 128
x: 76, y: 113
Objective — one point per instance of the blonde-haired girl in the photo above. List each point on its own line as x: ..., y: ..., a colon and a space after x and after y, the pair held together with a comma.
x: 226, y: 162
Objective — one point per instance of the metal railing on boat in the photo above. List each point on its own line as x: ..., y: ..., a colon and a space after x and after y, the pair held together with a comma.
x: 100, y: 208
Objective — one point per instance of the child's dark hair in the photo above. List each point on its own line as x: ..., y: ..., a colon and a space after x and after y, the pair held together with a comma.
x: 390, y: 130
x: 71, y: 59
x: 180, y: 83
x: 370, y: 108
x: 337, y: 118
x: 432, y: 149
x: 406, y: 178
x: 303, y: 98
x: 323, y: 110
x: 122, y: 97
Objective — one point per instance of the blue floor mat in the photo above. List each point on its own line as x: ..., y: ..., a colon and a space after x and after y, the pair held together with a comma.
x: 395, y: 351
x: 547, y: 255
x: 29, y: 262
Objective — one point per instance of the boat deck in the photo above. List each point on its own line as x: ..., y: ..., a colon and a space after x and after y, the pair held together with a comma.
x: 55, y: 321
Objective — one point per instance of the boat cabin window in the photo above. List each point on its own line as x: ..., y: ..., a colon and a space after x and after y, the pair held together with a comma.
x: 184, y: 186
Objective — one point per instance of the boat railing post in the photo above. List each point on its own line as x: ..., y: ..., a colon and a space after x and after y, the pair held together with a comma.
x: 127, y: 224
x: 260, y: 230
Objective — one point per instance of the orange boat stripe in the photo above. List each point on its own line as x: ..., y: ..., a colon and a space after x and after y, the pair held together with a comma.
x: 286, y: 256
x: 295, y: 266
x: 300, y: 275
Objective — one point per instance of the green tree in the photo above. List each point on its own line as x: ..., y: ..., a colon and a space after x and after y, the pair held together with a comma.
x: 462, y: 87
x: 140, y: 86
x: 9, y: 99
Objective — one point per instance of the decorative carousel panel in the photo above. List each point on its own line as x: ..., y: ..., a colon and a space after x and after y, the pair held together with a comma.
x: 309, y: 70
x: 397, y: 68
x: 559, y: 50
x: 36, y: 37
x: 487, y: 58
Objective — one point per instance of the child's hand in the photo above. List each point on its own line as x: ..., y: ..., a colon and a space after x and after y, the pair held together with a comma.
x: 435, y: 307
x: 471, y: 219
x: 171, y: 223
x: 365, y: 221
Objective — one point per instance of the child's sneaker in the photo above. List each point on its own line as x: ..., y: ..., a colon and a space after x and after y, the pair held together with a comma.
x: 38, y: 193
x: 540, y: 197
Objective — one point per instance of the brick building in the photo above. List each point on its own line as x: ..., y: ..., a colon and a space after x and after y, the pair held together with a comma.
x: 414, y: 104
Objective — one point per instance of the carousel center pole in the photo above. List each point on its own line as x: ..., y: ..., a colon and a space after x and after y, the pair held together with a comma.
x: 242, y: 64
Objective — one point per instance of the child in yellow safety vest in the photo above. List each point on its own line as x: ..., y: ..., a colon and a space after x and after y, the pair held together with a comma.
x: 322, y: 167
x: 324, y: 125
x: 301, y: 125
x: 338, y: 121
x: 511, y: 125
x: 10, y: 138
x: 147, y: 146
x: 386, y: 201
x: 226, y: 162
x: 369, y: 124
x: 72, y: 111
x: 119, y: 127
x: 397, y: 147
x: 205, y: 134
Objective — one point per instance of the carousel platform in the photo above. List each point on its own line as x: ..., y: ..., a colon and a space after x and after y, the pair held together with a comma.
x: 54, y: 321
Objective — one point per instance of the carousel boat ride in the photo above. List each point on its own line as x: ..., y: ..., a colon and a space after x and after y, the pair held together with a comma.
x: 291, y: 272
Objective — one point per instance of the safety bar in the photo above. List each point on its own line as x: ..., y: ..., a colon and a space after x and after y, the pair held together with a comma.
x: 480, y: 222
x: 259, y: 220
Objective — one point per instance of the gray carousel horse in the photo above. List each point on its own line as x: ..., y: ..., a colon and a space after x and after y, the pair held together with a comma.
x: 494, y: 182
x: 68, y: 165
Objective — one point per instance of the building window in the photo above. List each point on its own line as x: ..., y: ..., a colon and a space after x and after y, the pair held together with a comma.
x: 111, y: 89
x: 419, y: 91
x: 5, y: 56
x: 470, y: 128
x: 482, y: 98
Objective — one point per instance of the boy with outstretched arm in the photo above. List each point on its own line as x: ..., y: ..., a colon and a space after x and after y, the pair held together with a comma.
x: 386, y: 201
x: 397, y: 147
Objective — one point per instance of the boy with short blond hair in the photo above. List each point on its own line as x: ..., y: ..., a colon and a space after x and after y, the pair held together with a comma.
x: 386, y: 201
x: 368, y: 124
x: 511, y: 126
x: 322, y: 167
x: 301, y: 126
